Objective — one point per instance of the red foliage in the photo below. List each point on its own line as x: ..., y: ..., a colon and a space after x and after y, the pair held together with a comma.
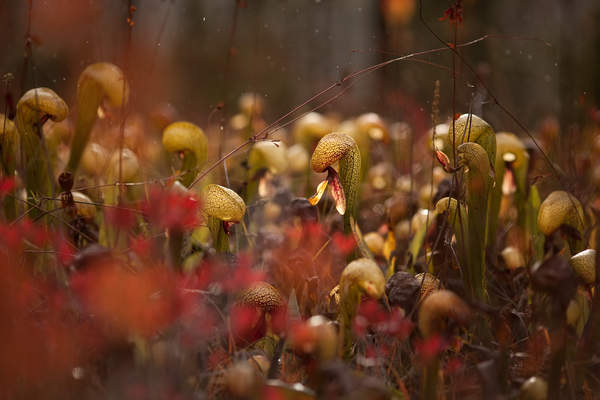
x: 64, y: 250
x: 247, y: 323
x: 272, y: 393
x: 371, y: 314
x: 279, y: 321
x: 168, y: 209
x: 429, y: 348
x: 141, y: 246
x: 200, y: 278
x: 36, y: 234
x: 242, y: 276
x: 119, y: 217
x: 216, y: 357
x: 302, y: 337
x: 453, y: 366
x: 344, y: 243
x: 127, y: 302
x: 40, y: 338
x: 199, y: 321
x: 7, y: 185
x: 454, y: 14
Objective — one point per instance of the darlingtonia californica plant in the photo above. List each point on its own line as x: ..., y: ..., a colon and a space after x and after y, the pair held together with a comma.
x: 33, y: 110
x: 10, y: 142
x: 510, y: 166
x: 338, y: 147
x: 471, y: 128
x: 366, y: 129
x: 562, y: 210
x: 223, y: 208
x: 439, y: 313
x: 188, y: 140
x: 478, y: 182
x: 584, y: 264
x: 10, y: 146
x: 123, y: 167
x: 473, y: 141
x: 94, y: 159
x: 266, y: 158
x: 311, y: 128
x: 470, y: 223
x: 360, y: 277
x: 97, y: 83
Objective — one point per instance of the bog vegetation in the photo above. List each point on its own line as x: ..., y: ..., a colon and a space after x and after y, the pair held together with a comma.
x: 144, y: 257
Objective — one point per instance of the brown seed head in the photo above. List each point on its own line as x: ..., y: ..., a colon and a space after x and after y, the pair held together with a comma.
x: 262, y: 295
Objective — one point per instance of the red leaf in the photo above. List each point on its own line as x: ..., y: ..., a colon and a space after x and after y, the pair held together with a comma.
x: 453, y: 366
x: 64, y: 252
x: 243, y: 277
x: 344, y: 243
x: 7, y: 185
x: 121, y: 218
x: 168, y: 209
x: 429, y: 348
x: 141, y: 246
x: 127, y: 302
x: 246, y: 322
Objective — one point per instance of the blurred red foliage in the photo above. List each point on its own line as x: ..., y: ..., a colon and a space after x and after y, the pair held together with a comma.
x: 6, y: 186
x: 429, y: 348
x: 119, y: 217
x: 247, y: 323
x: 41, y: 338
x: 168, y: 209
x: 344, y: 243
x: 371, y: 314
x: 242, y: 276
x: 128, y: 302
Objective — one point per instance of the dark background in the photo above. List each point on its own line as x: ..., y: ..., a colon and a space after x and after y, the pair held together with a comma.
x: 542, y: 59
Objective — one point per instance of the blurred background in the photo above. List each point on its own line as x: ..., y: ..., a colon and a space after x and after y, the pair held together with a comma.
x: 540, y: 58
